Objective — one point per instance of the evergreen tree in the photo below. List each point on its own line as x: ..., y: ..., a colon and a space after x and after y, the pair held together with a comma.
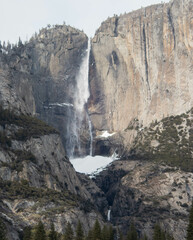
x: 145, y: 237
x: 111, y: 233
x: 105, y: 233
x: 27, y: 234
x: 52, y: 234
x: 40, y: 233
x: 169, y: 237
x: 90, y: 235
x: 79, y: 232
x: 157, y: 233
x: 190, y: 225
x: 68, y: 235
x: 132, y: 233
x: 2, y: 230
x: 121, y: 236
x: 97, y: 231
x: 20, y: 44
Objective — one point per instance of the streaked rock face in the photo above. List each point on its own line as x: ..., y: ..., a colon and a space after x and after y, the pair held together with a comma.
x: 141, y: 66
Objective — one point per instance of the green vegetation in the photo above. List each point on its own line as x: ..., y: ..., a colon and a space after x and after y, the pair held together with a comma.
x: 28, y: 126
x: 190, y: 225
x: 2, y: 230
x: 159, y: 234
x: 20, y: 190
x: 40, y: 233
x: 69, y: 234
x: 4, y: 140
x: 52, y: 234
x: 132, y: 233
x: 17, y: 162
x: 95, y: 233
x: 79, y: 232
x: 27, y: 233
x: 169, y: 141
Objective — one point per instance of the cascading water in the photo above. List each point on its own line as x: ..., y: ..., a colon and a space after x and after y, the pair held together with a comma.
x: 80, y: 99
x: 87, y: 164
x: 109, y: 215
x: 90, y: 133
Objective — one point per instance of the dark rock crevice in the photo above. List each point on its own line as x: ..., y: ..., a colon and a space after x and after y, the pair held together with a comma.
x: 172, y: 26
x: 145, y: 59
x: 116, y: 25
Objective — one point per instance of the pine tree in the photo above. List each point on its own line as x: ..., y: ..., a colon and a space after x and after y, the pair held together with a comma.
x: 40, y: 233
x: 145, y: 237
x: 27, y: 234
x: 157, y: 233
x: 105, y: 233
x: 68, y: 235
x: 190, y: 225
x: 111, y: 233
x: 169, y: 237
x: 52, y: 234
x: 79, y: 232
x: 20, y: 44
x: 2, y: 230
x: 121, y: 236
x: 132, y: 234
x: 97, y: 231
x: 90, y: 235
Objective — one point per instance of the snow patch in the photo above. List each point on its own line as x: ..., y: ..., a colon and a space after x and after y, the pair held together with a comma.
x: 62, y: 104
x: 91, y: 165
x: 105, y: 134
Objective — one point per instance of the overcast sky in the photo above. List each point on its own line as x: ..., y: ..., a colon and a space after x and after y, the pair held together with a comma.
x: 25, y: 17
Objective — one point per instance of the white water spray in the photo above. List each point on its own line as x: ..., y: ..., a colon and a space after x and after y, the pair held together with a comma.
x: 82, y: 91
x: 80, y: 99
x: 109, y: 215
x: 90, y: 133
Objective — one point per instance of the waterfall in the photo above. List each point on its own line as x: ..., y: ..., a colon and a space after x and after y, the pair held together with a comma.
x: 109, y: 215
x: 81, y: 96
x: 82, y: 89
x: 90, y: 133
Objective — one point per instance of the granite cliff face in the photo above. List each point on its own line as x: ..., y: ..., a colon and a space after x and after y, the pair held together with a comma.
x: 141, y: 67
x: 141, y: 70
x: 39, y: 77
x: 37, y: 181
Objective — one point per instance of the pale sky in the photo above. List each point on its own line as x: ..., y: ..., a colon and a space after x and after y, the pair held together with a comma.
x: 22, y: 18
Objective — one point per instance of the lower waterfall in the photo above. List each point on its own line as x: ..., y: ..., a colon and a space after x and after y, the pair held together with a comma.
x: 109, y: 215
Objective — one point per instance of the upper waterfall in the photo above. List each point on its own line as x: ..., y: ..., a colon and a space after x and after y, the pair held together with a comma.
x: 79, y: 117
x: 82, y: 89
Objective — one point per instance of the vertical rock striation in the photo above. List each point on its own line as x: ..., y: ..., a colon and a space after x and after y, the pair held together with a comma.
x: 141, y: 66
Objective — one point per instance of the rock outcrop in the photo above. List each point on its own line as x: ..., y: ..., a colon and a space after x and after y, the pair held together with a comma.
x: 148, y: 193
x: 37, y: 181
x: 39, y: 77
x: 141, y: 67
